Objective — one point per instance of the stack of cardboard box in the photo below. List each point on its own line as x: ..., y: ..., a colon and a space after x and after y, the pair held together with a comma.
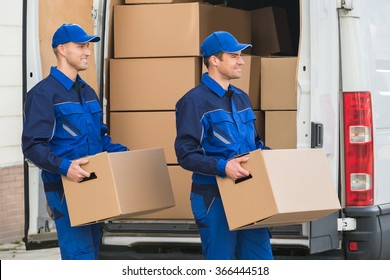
x: 279, y: 101
x: 156, y: 61
x: 272, y: 41
x: 269, y: 77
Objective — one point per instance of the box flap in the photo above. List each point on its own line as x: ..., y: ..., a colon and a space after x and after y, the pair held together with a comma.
x: 289, y: 219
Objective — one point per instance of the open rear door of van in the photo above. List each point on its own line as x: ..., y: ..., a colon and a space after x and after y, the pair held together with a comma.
x: 318, y: 102
x: 40, y: 20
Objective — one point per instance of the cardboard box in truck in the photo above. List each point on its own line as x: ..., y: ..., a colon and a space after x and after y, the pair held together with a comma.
x: 278, y: 83
x: 281, y: 129
x: 162, y: 30
x: 151, y: 83
x: 270, y: 32
x: 144, y: 130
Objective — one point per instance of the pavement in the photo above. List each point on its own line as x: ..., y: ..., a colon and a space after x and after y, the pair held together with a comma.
x: 17, y: 251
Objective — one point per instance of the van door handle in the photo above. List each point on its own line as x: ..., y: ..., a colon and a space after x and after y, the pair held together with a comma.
x: 317, y: 135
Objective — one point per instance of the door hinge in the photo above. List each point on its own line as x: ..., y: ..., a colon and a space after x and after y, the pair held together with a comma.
x: 94, y: 15
x: 346, y: 224
x: 345, y: 4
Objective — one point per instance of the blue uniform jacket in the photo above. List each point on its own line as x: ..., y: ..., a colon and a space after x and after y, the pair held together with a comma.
x: 62, y: 122
x: 213, y: 127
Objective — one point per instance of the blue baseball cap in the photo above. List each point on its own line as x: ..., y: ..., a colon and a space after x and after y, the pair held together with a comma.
x: 72, y: 33
x: 221, y: 41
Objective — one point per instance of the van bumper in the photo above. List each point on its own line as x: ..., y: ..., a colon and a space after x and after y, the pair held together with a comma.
x: 372, y: 235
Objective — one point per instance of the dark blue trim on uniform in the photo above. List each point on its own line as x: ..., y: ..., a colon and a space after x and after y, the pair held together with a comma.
x: 210, y: 190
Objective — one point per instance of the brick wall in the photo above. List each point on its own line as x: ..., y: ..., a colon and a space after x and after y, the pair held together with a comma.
x: 11, y: 204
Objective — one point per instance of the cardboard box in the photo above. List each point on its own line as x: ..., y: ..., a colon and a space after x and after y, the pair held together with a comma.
x: 126, y: 183
x: 151, y: 83
x: 143, y: 130
x: 278, y: 83
x: 250, y: 79
x: 287, y: 187
x: 281, y: 129
x: 181, y: 181
x: 162, y: 30
x: 270, y: 32
x: 260, y: 123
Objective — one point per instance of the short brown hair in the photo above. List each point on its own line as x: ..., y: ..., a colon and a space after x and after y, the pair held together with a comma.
x: 206, y: 59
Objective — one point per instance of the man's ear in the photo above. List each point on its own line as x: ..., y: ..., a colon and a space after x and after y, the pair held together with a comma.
x: 213, y: 60
x: 61, y: 50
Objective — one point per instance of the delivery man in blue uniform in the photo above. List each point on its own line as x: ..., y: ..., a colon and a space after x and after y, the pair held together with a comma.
x: 63, y: 123
x: 215, y: 122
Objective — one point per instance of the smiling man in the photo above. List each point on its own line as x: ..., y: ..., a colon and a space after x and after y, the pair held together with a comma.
x: 63, y: 123
x: 214, y: 123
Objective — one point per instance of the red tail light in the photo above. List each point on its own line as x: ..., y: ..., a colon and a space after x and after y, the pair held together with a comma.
x: 358, y: 147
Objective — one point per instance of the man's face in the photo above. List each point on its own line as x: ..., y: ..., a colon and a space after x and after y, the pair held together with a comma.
x: 229, y: 66
x: 76, y: 55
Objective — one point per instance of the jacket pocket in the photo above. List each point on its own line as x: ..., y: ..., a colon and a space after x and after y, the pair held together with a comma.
x: 247, y: 116
x: 96, y: 111
x: 94, y: 106
x: 71, y: 118
x: 223, y: 127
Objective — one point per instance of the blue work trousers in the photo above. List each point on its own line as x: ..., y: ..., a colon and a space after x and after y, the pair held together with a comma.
x: 218, y: 243
x: 78, y: 242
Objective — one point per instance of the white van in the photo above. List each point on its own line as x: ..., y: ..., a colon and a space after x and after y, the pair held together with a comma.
x: 343, y: 97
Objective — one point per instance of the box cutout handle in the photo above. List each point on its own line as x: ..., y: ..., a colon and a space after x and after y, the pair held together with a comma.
x: 240, y: 155
x: 242, y: 179
x: 91, y: 177
x: 239, y: 180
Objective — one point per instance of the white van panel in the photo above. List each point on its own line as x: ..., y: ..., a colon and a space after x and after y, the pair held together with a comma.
x: 319, y: 53
x: 10, y: 82
x: 379, y: 23
x: 7, y: 13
